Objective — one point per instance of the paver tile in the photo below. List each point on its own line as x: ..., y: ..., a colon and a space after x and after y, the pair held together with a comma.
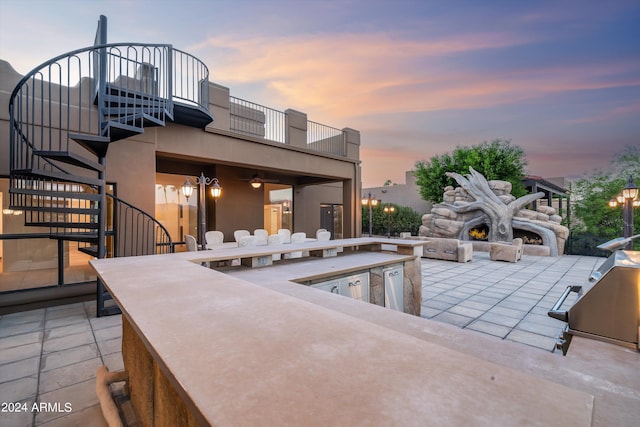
x: 74, y: 398
x: 68, y: 357
x: 68, y: 375
x: 19, y: 369
x: 20, y: 389
x: 67, y: 342
x: 22, y: 339
x: 532, y: 339
x: 489, y: 328
x: 26, y: 351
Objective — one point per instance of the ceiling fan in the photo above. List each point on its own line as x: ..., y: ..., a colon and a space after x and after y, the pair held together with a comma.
x: 256, y: 181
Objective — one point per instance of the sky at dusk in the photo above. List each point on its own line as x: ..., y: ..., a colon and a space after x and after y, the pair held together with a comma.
x: 561, y: 79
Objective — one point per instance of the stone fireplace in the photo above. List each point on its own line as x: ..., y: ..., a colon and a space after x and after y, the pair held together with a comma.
x: 462, y: 215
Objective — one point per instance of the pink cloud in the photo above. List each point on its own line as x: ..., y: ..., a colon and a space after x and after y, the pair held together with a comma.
x: 335, y: 77
x: 614, y: 113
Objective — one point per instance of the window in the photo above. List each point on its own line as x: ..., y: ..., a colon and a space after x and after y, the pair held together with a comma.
x: 177, y: 214
x: 278, y: 207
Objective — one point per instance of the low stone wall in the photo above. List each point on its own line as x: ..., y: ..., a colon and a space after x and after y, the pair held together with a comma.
x: 535, y: 250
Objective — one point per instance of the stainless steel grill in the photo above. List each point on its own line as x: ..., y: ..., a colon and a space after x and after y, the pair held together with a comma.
x: 608, y: 304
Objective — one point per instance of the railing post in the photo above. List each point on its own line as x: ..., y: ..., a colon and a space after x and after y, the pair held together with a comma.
x: 169, y: 94
x: 101, y: 78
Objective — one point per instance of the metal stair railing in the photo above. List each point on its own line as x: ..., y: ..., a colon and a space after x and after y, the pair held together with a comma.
x: 133, y: 232
x: 58, y: 99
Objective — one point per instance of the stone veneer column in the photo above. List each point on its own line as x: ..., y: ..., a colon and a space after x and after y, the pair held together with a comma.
x: 412, y: 284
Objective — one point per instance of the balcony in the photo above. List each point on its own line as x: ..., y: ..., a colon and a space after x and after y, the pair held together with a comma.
x: 261, y: 123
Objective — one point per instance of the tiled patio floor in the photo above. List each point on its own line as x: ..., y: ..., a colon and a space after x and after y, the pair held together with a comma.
x: 51, y: 355
x: 506, y: 300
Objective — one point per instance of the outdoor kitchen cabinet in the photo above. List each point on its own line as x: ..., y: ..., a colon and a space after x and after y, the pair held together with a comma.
x: 354, y: 286
x: 393, y: 287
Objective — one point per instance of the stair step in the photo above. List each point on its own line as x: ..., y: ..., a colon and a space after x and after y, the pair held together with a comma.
x: 118, y: 131
x: 97, y: 144
x: 133, y: 119
x: 71, y: 159
x: 60, y: 176
x: 59, y: 210
x: 115, y: 102
x: 90, y: 250
x: 60, y: 194
x: 129, y: 92
x: 65, y: 224
x: 191, y: 115
x: 88, y: 237
x: 146, y: 118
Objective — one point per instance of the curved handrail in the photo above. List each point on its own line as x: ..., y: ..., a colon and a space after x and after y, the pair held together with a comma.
x: 59, y: 96
x: 86, y: 49
x: 137, y: 232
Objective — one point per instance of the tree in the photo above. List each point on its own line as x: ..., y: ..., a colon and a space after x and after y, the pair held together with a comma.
x: 498, y: 159
x: 592, y: 213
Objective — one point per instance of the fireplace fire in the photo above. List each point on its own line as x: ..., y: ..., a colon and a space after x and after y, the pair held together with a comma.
x: 479, y: 233
x: 528, y: 238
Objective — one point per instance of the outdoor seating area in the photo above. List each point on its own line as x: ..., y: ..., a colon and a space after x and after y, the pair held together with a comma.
x: 52, y: 354
x: 446, y: 249
x: 506, y: 252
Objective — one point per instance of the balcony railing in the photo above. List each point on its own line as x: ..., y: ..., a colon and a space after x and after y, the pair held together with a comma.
x: 251, y: 119
x: 325, y: 139
x: 256, y: 120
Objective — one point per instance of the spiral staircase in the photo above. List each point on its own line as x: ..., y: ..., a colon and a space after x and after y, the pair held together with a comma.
x: 63, y: 116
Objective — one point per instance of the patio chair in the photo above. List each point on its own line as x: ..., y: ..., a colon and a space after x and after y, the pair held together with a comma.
x: 274, y: 239
x: 214, y: 239
x: 247, y: 241
x: 296, y: 238
x: 262, y: 236
x: 285, y: 235
x: 506, y: 252
x: 322, y: 236
x: 192, y: 243
x: 240, y: 233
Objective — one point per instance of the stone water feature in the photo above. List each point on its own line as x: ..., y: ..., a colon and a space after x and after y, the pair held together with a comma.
x: 481, y: 210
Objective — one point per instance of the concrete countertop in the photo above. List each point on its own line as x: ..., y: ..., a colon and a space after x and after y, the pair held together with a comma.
x: 248, y: 355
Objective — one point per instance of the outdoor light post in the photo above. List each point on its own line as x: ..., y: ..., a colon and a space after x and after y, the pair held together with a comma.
x: 389, y: 209
x: 369, y: 201
x: 216, y: 191
x: 628, y: 199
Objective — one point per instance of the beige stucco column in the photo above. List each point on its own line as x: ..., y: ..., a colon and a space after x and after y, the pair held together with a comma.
x: 352, y: 188
x: 296, y: 128
x: 219, y: 106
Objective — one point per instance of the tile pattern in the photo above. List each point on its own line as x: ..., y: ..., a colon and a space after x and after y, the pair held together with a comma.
x: 48, y: 361
x: 507, y: 300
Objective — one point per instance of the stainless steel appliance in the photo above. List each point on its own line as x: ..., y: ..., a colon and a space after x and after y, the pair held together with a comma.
x: 608, y: 304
